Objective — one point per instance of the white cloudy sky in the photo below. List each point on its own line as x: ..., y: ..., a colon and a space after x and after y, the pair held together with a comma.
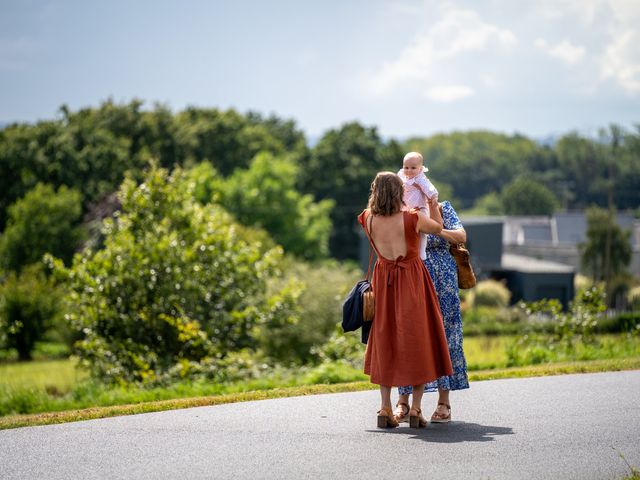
x: 409, y: 67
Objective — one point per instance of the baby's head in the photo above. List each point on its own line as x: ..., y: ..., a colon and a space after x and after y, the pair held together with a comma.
x: 412, y: 164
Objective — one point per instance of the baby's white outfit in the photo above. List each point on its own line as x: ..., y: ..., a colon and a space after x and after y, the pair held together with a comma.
x: 416, y: 192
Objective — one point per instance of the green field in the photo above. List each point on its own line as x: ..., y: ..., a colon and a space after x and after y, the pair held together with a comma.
x: 57, y: 385
x: 61, y: 375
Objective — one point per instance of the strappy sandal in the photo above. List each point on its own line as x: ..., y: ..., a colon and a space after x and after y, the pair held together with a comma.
x: 438, y: 417
x: 386, y: 419
x: 402, y: 412
x: 417, y: 421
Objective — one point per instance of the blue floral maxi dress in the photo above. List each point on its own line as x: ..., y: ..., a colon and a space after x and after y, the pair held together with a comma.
x: 443, y: 271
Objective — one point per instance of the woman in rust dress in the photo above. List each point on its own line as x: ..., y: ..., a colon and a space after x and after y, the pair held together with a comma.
x: 407, y: 343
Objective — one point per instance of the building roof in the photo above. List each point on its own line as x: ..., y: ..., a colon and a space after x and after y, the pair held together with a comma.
x: 521, y: 263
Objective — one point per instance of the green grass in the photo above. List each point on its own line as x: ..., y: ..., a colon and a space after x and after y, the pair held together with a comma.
x: 484, y: 352
x: 58, y: 375
x: 14, y: 421
x: 55, y: 386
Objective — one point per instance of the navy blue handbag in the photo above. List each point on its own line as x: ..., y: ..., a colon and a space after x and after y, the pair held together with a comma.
x: 359, y: 307
x: 353, y: 310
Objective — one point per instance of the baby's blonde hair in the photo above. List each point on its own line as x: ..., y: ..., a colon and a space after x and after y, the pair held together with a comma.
x: 413, y: 155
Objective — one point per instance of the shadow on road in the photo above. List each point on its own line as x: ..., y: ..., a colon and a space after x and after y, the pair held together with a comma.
x: 454, y: 432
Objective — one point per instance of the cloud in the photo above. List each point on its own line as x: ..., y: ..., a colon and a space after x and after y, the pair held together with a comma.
x: 458, y: 31
x: 617, y: 58
x: 565, y: 50
x: 621, y: 61
x: 448, y: 93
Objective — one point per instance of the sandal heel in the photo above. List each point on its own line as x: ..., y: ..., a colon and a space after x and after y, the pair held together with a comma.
x: 382, y: 421
x: 417, y: 421
x: 386, y: 419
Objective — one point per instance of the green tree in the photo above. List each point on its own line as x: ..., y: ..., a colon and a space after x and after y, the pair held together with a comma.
x: 341, y: 167
x: 176, y: 288
x: 489, y: 204
x: 91, y: 149
x: 525, y: 196
x: 29, y: 305
x: 476, y: 163
x: 44, y: 221
x: 264, y: 196
x: 230, y: 140
x: 601, y: 223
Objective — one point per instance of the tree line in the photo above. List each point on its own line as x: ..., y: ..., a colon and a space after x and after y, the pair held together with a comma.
x: 91, y: 149
x: 214, y: 207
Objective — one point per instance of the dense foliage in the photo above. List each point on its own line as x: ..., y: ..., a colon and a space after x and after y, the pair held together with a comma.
x: 604, y: 233
x: 91, y: 149
x: 43, y: 221
x: 341, y: 167
x: 524, y: 196
x: 264, y: 196
x: 176, y: 287
x: 29, y: 305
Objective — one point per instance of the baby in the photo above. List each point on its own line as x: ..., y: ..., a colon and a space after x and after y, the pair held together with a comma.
x: 417, y: 189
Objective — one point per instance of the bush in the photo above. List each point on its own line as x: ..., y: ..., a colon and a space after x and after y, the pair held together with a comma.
x: 344, y: 347
x: 573, y: 331
x: 491, y: 293
x: 265, y: 196
x: 43, y: 221
x: 492, y: 321
x: 323, y: 288
x: 29, y: 305
x: 633, y: 298
x: 176, y: 288
x: 623, y: 322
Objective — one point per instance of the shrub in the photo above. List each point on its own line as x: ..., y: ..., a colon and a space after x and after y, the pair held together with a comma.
x: 29, y: 305
x: 492, y: 321
x: 572, y: 330
x: 633, y: 298
x: 345, y: 347
x: 491, y: 293
x: 323, y: 287
x: 42, y: 221
x: 265, y: 196
x: 176, y: 288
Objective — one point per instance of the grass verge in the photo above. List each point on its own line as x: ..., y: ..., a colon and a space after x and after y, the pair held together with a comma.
x: 14, y: 421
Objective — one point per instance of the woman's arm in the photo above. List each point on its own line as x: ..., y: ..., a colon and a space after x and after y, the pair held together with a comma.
x: 430, y: 225
x: 458, y: 235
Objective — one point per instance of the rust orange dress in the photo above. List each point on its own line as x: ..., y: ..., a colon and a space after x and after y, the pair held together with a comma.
x: 407, y: 344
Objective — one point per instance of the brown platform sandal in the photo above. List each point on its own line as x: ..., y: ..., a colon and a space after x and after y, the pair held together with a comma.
x: 417, y: 421
x: 441, y: 417
x: 402, y: 412
x: 386, y: 419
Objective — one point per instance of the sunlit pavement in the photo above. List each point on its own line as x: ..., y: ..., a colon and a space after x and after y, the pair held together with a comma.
x: 573, y: 426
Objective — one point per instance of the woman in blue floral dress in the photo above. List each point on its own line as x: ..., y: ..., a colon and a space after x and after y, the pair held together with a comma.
x: 443, y: 271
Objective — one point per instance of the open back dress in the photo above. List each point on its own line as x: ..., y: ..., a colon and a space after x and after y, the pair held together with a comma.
x: 407, y: 343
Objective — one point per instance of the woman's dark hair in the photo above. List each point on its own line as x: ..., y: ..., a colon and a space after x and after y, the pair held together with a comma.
x: 386, y: 194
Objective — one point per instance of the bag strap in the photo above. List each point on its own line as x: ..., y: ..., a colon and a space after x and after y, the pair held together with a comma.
x: 368, y: 231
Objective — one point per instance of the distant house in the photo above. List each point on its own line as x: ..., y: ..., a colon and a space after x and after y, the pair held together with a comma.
x: 557, y: 238
x: 527, y: 278
x: 536, y: 257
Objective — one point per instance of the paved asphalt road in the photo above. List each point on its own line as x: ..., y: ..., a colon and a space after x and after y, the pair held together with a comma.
x: 571, y: 426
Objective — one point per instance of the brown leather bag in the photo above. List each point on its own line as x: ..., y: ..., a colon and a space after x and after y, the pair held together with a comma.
x: 466, y: 277
x: 368, y: 299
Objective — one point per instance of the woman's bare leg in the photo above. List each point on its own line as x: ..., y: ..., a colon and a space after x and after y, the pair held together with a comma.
x: 416, y: 400
x: 385, y: 394
x: 443, y: 396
